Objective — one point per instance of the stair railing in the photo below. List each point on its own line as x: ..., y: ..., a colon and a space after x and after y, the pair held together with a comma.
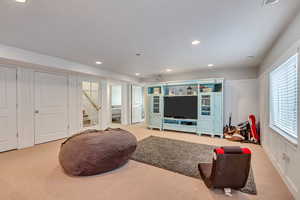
x: 91, y: 101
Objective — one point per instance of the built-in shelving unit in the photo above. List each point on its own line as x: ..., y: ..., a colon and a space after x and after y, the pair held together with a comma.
x: 211, y: 108
x: 209, y: 94
x: 155, y: 107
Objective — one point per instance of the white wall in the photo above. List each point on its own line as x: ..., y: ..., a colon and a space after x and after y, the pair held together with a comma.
x: 24, y: 58
x: 240, y: 89
x: 74, y: 106
x: 286, y: 41
x: 105, y: 119
x: 284, y: 155
x: 25, y: 84
x: 226, y: 73
x: 116, y: 95
x: 126, y: 104
x: 240, y: 99
x: 276, y: 146
x: 28, y: 62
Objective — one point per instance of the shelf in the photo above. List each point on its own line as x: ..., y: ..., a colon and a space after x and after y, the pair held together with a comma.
x: 181, y: 90
x: 155, y: 90
x: 210, y: 87
x: 180, y: 125
x: 177, y: 119
x: 180, y: 95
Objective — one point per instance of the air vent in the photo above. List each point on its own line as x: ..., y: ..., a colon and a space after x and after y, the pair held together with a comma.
x: 270, y: 2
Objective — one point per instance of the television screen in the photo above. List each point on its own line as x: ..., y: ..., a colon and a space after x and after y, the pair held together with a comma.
x: 181, y: 107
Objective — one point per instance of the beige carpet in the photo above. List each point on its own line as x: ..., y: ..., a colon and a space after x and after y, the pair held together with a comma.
x: 34, y: 174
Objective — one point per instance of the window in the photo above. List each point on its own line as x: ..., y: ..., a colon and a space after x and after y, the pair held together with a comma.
x: 284, y: 98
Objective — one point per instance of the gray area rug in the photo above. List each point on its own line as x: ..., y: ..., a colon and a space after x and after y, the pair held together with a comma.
x: 179, y: 156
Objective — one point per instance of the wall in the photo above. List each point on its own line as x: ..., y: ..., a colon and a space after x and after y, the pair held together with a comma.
x: 24, y: 58
x: 240, y: 89
x: 126, y: 104
x: 283, y: 154
x: 240, y: 99
x: 27, y: 62
x: 116, y: 95
x: 26, y: 106
x: 226, y: 73
x: 105, y: 118
x: 286, y: 41
x: 75, y: 113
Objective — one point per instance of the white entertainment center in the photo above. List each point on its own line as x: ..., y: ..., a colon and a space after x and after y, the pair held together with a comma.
x: 189, y: 106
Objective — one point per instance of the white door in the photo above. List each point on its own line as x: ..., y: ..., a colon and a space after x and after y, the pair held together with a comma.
x: 51, y: 119
x: 8, y: 111
x: 137, y: 104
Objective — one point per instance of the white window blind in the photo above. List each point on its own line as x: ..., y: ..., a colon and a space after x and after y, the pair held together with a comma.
x: 284, y: 97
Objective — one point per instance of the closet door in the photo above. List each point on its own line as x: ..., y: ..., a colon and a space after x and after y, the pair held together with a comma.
x: 8, y: 119
x: 51, y: 118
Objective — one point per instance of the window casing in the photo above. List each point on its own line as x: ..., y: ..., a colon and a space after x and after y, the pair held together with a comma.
x: 284, y: 99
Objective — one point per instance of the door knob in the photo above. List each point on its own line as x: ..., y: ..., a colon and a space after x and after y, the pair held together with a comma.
x: 36, y: 112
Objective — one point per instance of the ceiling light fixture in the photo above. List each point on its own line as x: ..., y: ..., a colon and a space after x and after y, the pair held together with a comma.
x: 137, y: 74
x: 20, y: 1
x: 270, y: 2
x: 210, y: 65
x: 169, y: 70
x: 195, y: 42
x: 98, y: 62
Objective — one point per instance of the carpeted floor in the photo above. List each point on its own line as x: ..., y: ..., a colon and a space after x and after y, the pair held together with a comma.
x: 34, y: 173
x: 179, y: 156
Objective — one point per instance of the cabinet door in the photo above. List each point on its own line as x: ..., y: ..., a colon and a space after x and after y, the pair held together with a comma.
x: 155, y: 121
x: 218, y: 113
x: 206, y: 126
x: 206, y: 105
x: 206, y: 114
x: 156, y: 107
x: 155, y: 112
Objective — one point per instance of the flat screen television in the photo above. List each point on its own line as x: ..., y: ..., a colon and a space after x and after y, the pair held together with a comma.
x: 181, y: 107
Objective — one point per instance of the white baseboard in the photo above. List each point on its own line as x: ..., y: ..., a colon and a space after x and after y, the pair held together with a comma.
x: 289, y: 183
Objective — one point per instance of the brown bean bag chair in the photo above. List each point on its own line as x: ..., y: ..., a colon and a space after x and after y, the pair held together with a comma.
x: 92, y: 152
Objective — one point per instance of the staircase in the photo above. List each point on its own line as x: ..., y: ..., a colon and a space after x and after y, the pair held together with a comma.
x: 90, y: 111
x: 86, y: 119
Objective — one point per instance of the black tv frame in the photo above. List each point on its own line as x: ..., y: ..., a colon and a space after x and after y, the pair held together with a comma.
x: 183, y: 106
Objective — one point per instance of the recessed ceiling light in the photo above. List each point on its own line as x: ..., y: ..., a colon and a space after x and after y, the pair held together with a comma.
x: 137, y: 74
x: 21, y: 1
x: 195, y: 42
x: 270, y: 2
x: 169, y: 70
x: 210, y: 65
x: 98, y: 62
